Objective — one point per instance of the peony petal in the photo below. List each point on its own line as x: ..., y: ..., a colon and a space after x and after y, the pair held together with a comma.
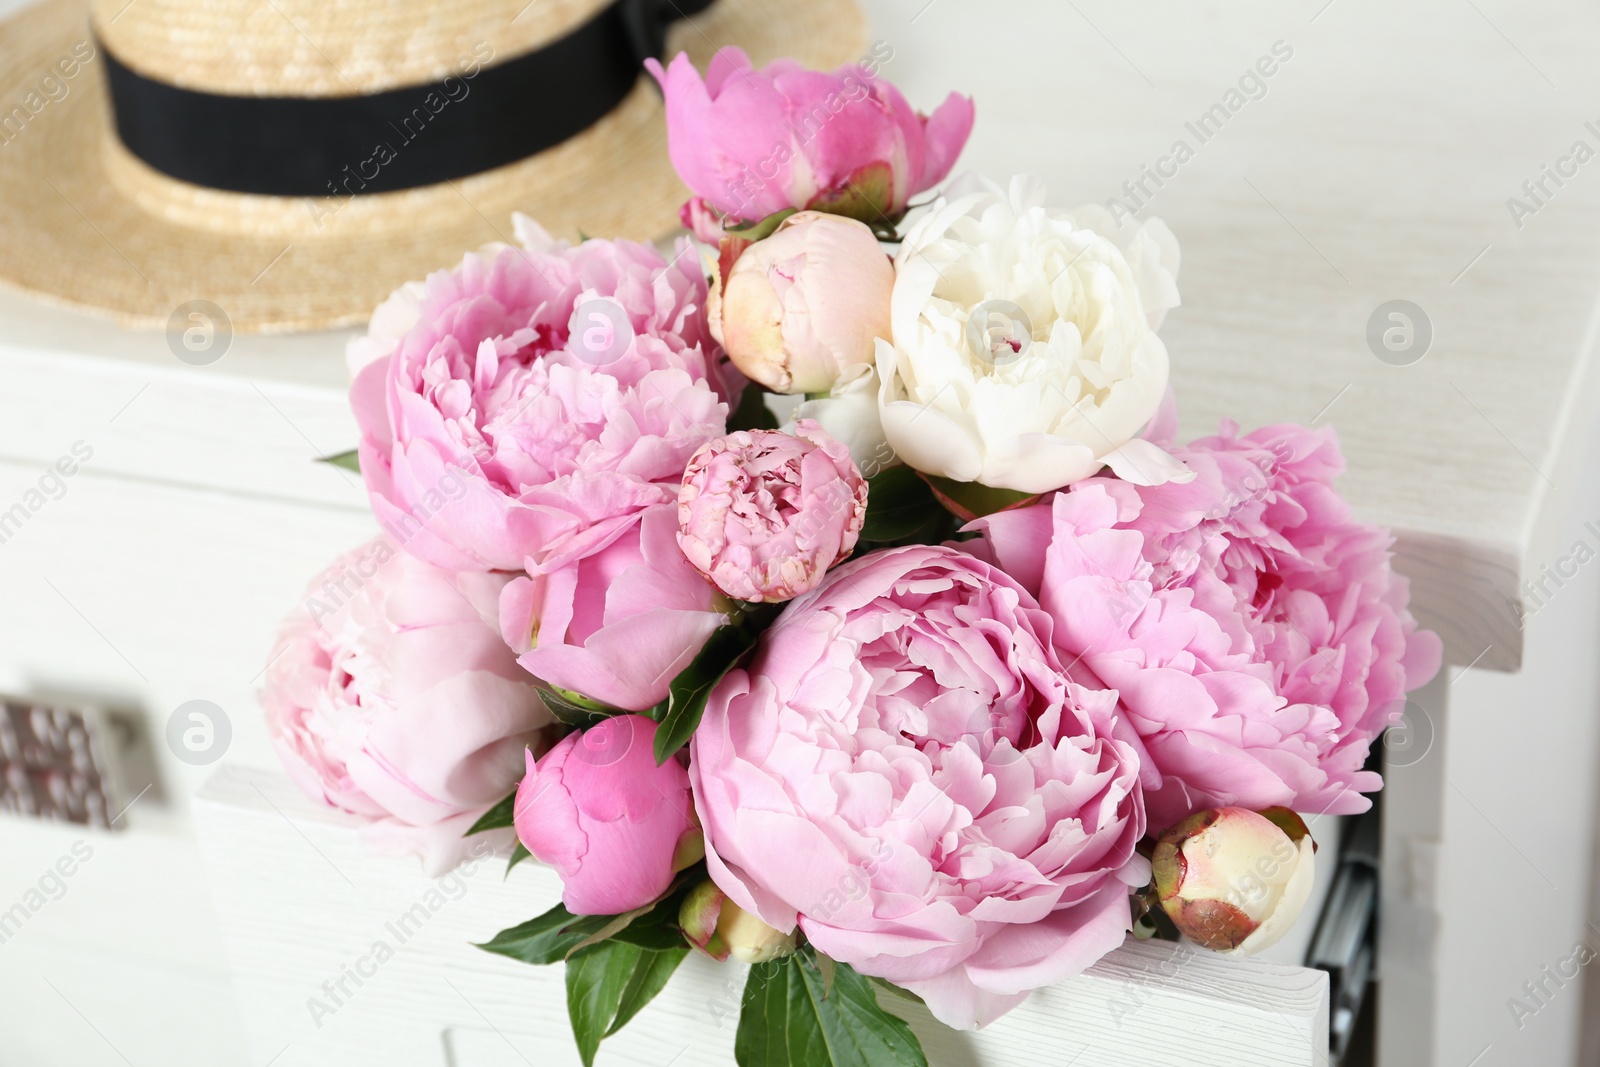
x: 959, y: 1003
x: 947, y: 131
x: 1022, y: 958
x: 1143, y: 462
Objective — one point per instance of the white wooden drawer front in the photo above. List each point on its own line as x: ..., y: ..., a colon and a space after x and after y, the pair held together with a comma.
x: 153, y: 574
x: 344, y: 959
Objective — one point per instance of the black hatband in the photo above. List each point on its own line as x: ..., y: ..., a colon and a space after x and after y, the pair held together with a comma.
x: 483, y: 117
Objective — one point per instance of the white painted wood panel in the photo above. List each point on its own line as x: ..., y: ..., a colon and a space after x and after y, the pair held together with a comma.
x: 123, y: 962
x: 272, y: 855
x: 144, y: 595
x: 1519, y: 811
x: 1489, y: 822
x: 251, y: 424
x: 154, y: 595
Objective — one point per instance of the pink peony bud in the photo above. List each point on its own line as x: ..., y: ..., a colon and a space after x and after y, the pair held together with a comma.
x: 721, y: 929
x: 753, y: 142
x: 764, y: 514
x: 799, y: 308
x: 1233, y: 880
x: 616, y: 826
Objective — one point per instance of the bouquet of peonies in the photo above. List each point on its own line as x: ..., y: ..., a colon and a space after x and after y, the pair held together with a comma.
x: 942, y: 686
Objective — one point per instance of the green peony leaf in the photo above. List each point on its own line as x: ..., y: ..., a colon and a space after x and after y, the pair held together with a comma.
x: 518, y: 854
x: 574, y: 709
x: 558, y: 934
x: 617, y: 925
x: 548, y: 938
x: 657, y: 926
x: 899, y: 506
x: 649, y: 978
x: 789, y: 1017
x: 608, y: 983
x: 761, y: 228
x: 686, y: 700
x: 596, y: 980
x: 350, y: 461
x: 498, y: 817
x: 650, y: 933
x: 884, y: 983
x: 752, y: 412
x: 827, y: 968
x: 970, y: 500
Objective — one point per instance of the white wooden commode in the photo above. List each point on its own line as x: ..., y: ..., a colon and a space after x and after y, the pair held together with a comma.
x: 1374, y: 164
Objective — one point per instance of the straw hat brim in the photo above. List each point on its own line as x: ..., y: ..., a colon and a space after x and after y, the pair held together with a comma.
x: 84, y: 224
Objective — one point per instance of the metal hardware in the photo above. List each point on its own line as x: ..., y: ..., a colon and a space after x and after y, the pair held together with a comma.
x: 59, y: 762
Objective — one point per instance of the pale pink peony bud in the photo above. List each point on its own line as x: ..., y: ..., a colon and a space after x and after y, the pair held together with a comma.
x: 1233, y: 880
x: 722, y: 930
x: 764, y: 513
x: 797, y: 309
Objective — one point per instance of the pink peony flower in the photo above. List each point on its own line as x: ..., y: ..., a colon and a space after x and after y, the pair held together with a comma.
x: 904, y: 771
x: 764, y: 514
x: 391, y: 695
x: 753, y: 142
x: 612, y: 823
x: 616, y: 626
x: 1254, y: 631
x: 542, y: 399
x: 799, y: 309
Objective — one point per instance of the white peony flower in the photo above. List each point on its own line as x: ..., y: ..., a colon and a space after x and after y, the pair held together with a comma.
x: 1024, y: 353
x: 849, y: 413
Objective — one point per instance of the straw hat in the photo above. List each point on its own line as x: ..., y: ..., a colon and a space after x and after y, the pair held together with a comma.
x: 86, y: 223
